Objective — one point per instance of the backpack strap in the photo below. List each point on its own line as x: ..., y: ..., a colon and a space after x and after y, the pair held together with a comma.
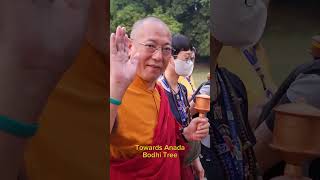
x: 198, y: 90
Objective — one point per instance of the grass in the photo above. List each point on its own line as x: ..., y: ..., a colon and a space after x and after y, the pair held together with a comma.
x: 200, y: 73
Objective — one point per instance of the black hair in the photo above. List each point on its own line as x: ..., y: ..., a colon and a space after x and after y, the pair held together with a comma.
x: 180, y: 43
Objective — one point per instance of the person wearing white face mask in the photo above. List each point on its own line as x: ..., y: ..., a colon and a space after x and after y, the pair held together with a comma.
x: 181, y: 64
x: 184, y: 67
x: 188, y: 81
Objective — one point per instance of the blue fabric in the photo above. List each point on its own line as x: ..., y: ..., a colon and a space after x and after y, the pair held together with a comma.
x: 253, y: 60
x: 218, y: 159
x: 233, y: 161
x: 178, y: 102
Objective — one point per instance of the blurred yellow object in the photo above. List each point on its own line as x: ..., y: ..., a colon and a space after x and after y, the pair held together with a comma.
x: 189, y: 85
x: 316, y: 41
x: 234, y: 60
x: 72, y: 139
x: 316, y: 44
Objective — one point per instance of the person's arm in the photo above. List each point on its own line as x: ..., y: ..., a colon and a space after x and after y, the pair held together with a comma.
x: 114, y: 93
x: 305, y: 88
x: 35, y: 51
x: 197, y: 167
x: 193, y: 111
x: 197, y: 129
x: 122, y: 69
x: 266, y: 156
x: 254, y: 114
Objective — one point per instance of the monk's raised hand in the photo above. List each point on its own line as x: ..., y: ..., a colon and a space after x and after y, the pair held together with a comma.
x: 122, y: 67
x: 42, y: 34
x: 197, y: 129
x: 39, y: 41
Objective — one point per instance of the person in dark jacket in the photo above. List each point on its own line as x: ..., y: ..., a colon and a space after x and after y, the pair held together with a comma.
x: 302, y: 84
x: 227, y: 153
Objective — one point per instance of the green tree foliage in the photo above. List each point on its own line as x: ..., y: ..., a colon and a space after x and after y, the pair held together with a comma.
x: 188, y: 17
x: 173, y: 24
x: 127, y: 16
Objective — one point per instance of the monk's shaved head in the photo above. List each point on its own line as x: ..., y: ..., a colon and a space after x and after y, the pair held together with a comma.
x: 154, y: 32
x: 137, y: 26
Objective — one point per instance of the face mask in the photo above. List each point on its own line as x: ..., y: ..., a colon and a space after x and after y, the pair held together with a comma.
x: 183, y: 68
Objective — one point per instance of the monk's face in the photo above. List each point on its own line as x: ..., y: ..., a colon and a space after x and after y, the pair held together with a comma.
x: 152, y: 63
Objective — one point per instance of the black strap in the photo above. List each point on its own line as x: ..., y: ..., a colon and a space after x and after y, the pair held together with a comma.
x: 307, y: 68
x: 198, y: 90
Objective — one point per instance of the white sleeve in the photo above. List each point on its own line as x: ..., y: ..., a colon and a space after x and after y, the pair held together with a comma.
x: 307, y: 87
x: 205, y: 90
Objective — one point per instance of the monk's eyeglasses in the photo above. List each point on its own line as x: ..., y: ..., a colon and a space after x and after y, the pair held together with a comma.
x: 166, y: 50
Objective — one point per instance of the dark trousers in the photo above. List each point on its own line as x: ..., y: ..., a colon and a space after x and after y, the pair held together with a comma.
x: 211, y: 164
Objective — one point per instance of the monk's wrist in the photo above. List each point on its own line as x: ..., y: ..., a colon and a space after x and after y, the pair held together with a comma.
x: 24, y: 99
x: 117, y: 91
x: 116, y: 95
x: 186, y: 134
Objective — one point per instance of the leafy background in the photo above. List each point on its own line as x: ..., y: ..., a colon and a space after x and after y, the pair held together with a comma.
x: 188, y: 17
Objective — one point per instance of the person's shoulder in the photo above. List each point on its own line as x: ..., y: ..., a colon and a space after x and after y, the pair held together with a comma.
x: 162, y: 83
x: 235, y: 79
x: 231, y: 75
x: 314, y: 68
x: 306, y: 86
x: 236, y: 83
x: 311, y: 67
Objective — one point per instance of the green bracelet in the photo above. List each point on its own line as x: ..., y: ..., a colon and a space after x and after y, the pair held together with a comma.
x: 114, y: 101
x: 17, y: 128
